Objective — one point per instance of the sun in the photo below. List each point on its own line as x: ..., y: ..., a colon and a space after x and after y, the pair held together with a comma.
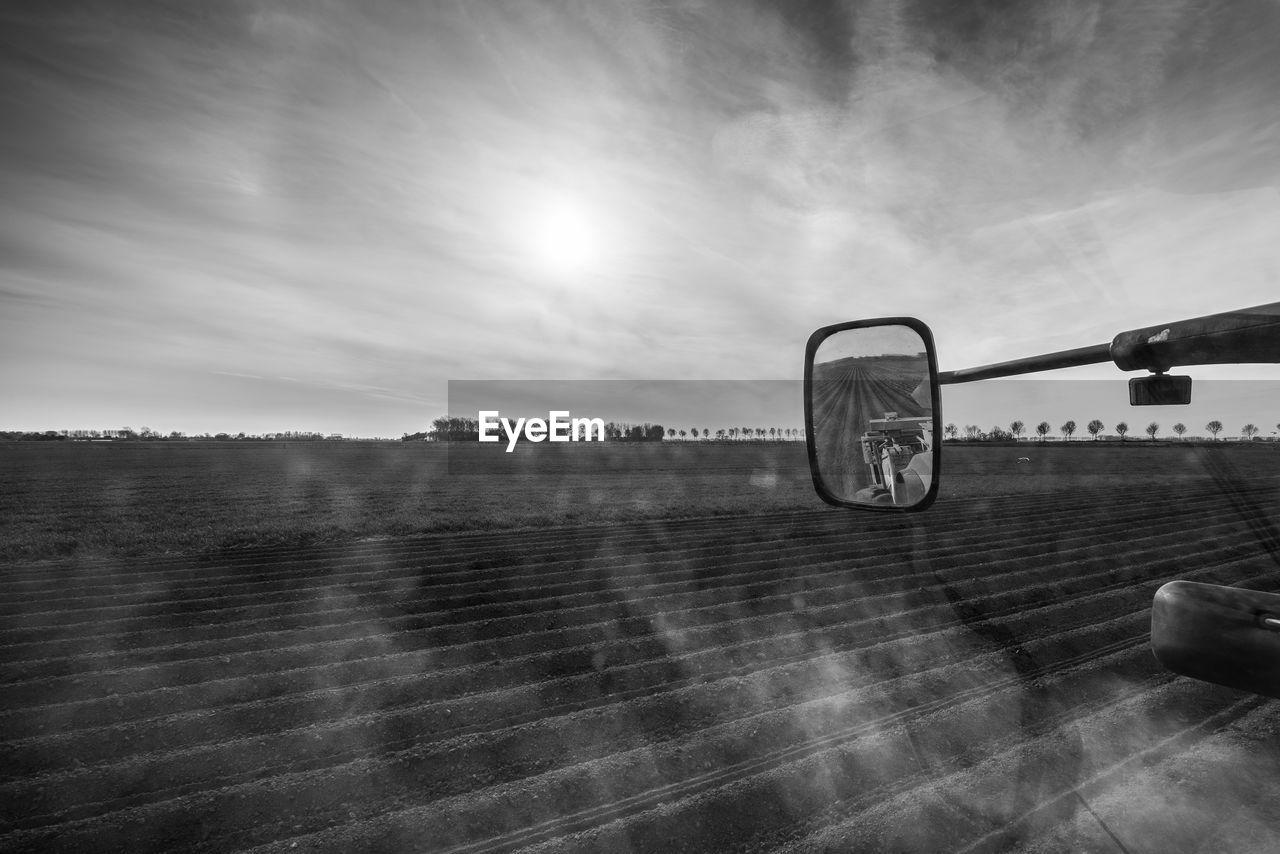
x: 564, y: 238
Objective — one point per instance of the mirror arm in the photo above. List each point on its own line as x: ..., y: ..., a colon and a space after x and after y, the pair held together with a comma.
x: 1233, y: 337
x: 1048, y: 362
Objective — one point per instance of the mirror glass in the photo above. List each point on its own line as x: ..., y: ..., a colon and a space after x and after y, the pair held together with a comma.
x: 872, y: 426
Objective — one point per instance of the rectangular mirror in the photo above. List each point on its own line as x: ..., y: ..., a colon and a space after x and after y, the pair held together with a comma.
x: 872, y: 414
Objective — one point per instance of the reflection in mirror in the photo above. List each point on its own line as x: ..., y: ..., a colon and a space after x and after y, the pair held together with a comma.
x: 872, y: 416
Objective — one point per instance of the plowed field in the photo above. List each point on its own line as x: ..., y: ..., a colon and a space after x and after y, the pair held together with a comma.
x: 846, y: 393
x: 977, y: 678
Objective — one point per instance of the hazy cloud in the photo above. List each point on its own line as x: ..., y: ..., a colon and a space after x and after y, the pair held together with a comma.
x: 385, y: 196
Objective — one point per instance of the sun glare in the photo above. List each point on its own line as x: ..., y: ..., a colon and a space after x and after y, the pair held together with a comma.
x: 564, y: 238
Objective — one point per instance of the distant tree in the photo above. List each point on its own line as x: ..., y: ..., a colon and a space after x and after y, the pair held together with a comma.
x: 1179, y: 428
x: 683, y: 433
x: 449, y: 428
x: 1068, y: 430
x: 1214, y: 428
x: 1122, y: 428
x: 1095, y: 427
x: 972, y: 432
x: 1016, y: 428
x: 1152, y: 429
x: 720, y: 434
x: 671, y: 432
x: 773, y: 432
x: 1248, y: 431
x: 952, y: 430
x: 998, y: 434
x: 1042, y: 429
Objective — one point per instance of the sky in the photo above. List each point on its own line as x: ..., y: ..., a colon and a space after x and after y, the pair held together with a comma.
x: 266, y: 216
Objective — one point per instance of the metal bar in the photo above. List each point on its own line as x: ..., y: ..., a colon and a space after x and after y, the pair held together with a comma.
x: 1048, y: 362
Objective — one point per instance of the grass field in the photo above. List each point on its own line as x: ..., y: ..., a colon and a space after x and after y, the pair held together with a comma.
x: 792, y: 678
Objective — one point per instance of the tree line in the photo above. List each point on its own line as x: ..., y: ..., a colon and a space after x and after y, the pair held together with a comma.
x: 974, y: 433
x: 740, y: 434
x: 148, y: 435
x: 452, y: 428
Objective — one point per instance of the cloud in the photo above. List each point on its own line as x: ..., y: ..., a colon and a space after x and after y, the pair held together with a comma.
x: 353, y: 193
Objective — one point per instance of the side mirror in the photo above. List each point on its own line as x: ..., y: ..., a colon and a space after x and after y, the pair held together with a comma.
x: 872, y: 412
x: 1225, y: 635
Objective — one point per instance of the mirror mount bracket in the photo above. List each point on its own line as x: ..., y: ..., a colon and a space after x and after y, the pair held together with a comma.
x: 1160, y: 389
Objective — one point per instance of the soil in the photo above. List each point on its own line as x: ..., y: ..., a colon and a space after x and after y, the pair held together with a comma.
x: 975, y: 678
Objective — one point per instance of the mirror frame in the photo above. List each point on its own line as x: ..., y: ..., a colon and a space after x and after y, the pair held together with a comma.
x: 935, y: 388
